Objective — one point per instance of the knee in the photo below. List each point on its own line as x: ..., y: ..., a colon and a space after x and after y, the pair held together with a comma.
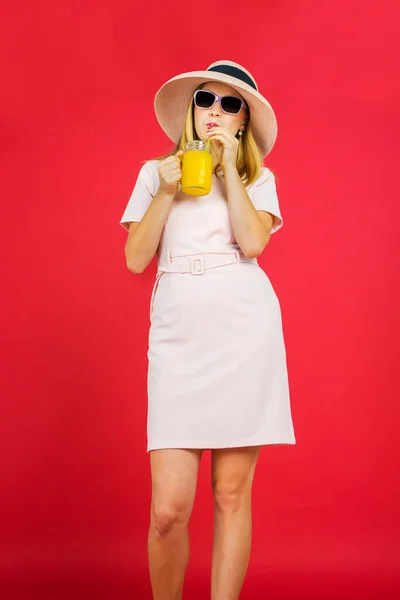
x: 166, y: 519
x: 229, y: 498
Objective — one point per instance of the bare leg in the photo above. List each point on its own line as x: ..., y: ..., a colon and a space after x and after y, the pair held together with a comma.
x: 174, y: 480
x: 232, y: 478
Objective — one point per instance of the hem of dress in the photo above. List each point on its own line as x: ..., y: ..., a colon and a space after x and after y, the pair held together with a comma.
x: 199, y: 446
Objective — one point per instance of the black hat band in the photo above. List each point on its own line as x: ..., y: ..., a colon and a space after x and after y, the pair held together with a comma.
x: 234, y: 72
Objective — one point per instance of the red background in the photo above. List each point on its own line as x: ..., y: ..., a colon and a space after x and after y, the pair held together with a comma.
x: 77, y: 87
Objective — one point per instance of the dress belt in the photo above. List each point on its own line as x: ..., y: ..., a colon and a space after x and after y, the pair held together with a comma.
x: 197, y: 264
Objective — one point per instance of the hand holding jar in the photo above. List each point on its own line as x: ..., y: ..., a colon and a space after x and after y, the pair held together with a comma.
x: 170, y: 173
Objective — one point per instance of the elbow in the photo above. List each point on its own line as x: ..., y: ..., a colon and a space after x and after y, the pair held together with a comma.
x: 134, y: 261
x: 255, y: 251
x: 134, y: 268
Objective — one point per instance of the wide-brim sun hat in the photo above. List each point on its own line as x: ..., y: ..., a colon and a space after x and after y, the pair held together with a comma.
x: 172, y: 100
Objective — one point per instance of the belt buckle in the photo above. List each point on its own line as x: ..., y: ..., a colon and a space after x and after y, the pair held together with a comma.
x: 193, y: 269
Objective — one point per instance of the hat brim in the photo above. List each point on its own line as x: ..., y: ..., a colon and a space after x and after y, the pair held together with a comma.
x: 172, y: 100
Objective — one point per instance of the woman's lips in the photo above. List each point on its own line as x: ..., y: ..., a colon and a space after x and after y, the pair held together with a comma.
x: 211, y: 125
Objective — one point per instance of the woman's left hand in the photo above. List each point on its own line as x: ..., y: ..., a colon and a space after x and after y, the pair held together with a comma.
x: 226, y: 146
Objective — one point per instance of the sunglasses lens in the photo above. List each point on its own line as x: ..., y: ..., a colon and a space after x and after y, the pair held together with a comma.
x: 204, y: 99
x: 231, y: 104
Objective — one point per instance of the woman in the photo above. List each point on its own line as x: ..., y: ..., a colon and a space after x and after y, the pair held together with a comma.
x: 217, y: 375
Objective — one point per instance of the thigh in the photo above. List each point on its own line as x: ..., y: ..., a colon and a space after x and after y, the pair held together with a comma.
x: 174, y: 474
x: 233, y: 468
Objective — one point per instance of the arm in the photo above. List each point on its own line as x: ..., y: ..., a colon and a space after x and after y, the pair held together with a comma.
x: 144, y: 236
x: 252, y: 227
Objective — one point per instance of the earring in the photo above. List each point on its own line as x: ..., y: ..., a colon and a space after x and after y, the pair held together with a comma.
x: 240, y: 132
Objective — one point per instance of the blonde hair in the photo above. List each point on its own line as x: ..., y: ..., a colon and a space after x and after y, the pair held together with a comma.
x: 249, y: 158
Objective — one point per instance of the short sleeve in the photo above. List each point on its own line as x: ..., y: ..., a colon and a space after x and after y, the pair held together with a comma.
x: 145, y: 189
x: 264, y: 197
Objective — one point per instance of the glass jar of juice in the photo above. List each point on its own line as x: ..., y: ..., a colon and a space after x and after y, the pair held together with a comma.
x: 197, y: 168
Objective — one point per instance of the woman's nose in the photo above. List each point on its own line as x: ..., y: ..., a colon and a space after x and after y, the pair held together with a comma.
x: 215, y: 110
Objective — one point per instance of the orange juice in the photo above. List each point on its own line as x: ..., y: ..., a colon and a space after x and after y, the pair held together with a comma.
x: 196, y: 169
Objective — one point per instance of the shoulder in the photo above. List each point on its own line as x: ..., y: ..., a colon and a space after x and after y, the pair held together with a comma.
x: 148, y: 178
x: 149, y: 172
x: 266, y: 177
x: 150, y: 167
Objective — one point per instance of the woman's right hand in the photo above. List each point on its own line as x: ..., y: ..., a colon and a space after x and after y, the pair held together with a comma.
x: 170, y: 173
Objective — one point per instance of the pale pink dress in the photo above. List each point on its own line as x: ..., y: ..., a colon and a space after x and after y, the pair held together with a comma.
x: 217, y: 375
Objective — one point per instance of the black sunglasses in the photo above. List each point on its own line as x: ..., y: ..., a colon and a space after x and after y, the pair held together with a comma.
x: 230, y: 105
